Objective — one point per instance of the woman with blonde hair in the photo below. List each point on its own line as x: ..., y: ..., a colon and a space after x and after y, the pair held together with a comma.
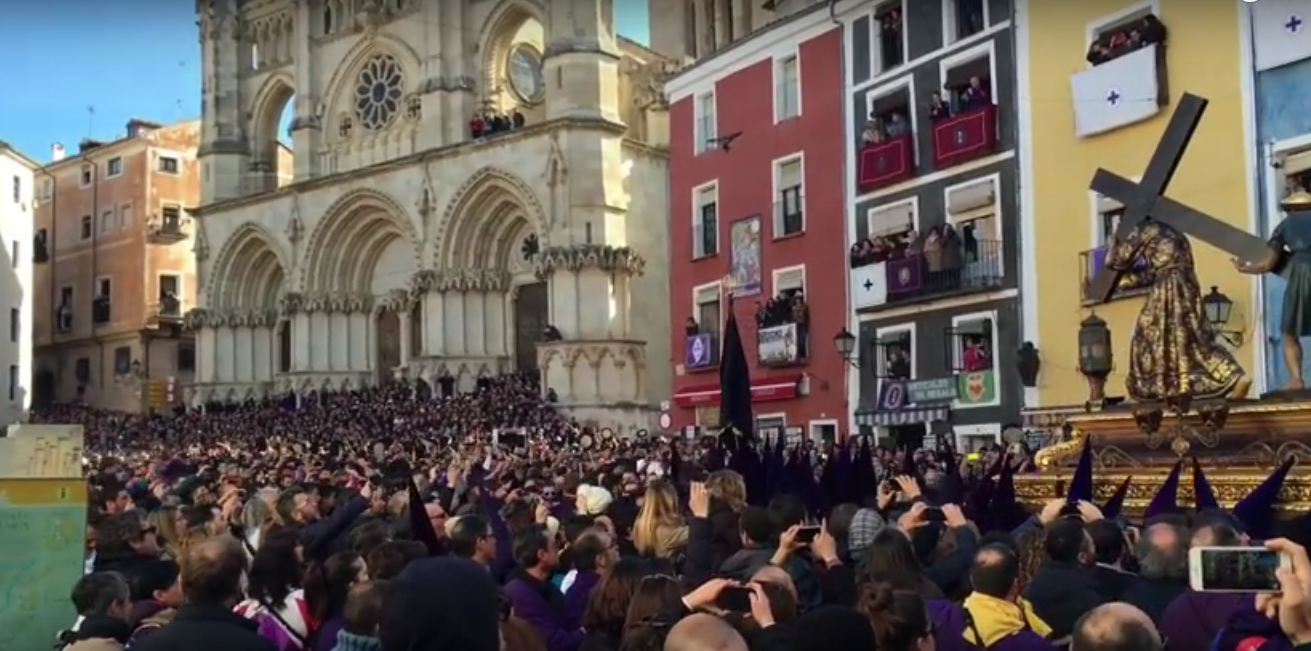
x: 728, y: 496
x: 659, y: 530
x: 165, y: 523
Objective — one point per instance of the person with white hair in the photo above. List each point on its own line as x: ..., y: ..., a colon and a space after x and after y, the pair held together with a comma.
x: 592, y: 500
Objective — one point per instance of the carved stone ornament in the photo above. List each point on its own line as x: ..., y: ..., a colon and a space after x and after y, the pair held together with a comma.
x: 612, y: 259
x: 337, y: 303
x: 422, y: 282
x: 471, y: 280
x: 295, y: 227
x: 195, y: 319
x: 200, y: 247
x: 291, y: 303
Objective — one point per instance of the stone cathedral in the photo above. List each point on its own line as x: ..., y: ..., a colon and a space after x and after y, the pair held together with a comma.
x: 467, y: 187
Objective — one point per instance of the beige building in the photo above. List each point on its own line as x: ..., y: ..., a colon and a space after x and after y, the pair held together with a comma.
x: 113, y: 271
x: 476, y: 187
x: 691, y: 29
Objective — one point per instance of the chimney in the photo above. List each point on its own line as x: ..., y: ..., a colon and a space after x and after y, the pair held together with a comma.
x: 57, y: 152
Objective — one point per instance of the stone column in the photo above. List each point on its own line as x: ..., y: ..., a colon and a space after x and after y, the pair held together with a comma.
x: 583, y: 53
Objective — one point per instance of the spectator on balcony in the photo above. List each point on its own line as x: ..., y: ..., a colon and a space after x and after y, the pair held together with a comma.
x: 898, y: 361
x: 491, y: 123
x: 873, y: 132
x: 938, y: 109
x: 975, y: 95
x: 890, y: 37
x: 783, y: 309
x: 975, y: 357
x: 551, y: 333
x: 169, y: 303
x: 898, y: 125
x: 1148, y: 30
x: 692, y: 328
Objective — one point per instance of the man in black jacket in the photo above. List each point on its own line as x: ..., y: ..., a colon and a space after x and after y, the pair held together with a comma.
x: 211, y: 581
x: 1063, y: 588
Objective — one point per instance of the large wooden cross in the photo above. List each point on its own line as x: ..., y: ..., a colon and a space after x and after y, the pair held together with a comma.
x: 1146, y: 199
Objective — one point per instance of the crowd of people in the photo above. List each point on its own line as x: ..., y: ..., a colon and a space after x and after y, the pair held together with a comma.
x: 1113, y: 44
x: 492, y: 123
x: 379, y: 520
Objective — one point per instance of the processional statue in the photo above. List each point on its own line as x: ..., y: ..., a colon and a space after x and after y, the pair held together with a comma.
x: 1289, y: 254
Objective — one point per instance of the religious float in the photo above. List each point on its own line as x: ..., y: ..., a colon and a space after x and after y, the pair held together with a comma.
x: 1187, y: 396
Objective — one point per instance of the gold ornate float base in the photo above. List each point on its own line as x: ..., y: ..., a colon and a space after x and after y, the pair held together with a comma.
x: 1238, y: 443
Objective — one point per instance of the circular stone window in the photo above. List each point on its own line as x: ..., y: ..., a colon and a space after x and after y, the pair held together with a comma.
x: 524, y: 70
x: 378, y: 92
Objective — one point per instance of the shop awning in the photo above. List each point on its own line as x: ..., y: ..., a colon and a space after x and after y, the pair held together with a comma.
x: 907, y: 416
x: 762, y: 390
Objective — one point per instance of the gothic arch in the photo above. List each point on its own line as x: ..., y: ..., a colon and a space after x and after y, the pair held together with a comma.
x: 265, y: 113
x: 498, y: 30
x: 249, y: 271
x: 343, y: 78
x: 485, y: 212
x: 352, y: 236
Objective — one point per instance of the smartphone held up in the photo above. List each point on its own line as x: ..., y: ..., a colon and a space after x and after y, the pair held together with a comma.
x: 1235, y: 569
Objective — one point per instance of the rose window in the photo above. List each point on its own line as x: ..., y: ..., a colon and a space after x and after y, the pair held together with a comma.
x: 378, y: 92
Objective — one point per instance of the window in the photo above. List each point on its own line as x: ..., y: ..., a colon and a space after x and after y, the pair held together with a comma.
x: 82, y: 370
x: 13, y: 382
x: 1107, y: 213
x: 975, y: 343
x: 170, y: 285
x: 789, y: 201
x: 787, y: 88
x: 708, y: 314
x: 705, y: 221
x: 889, y: 36
x: 968, y: 79
x: 964, y: 18
x: 107, y: 222
x: 824, y: 431
x: 186, y: 356
x: 18, y: 189
x: 171, y: 216
x: 789, y: 279
x: 104, y: 288
x: 102, y: 306
x: 168, y: 164
x: 114, y: 167
x: 122, y: 360
x: 972, y: 208
x: 327, y: 20
x: 47, y: 189
x: 66, y: 296
x: 1124, y: 32
x: 88, y: 173
x: 86, y: 227
x: 894, y: 221
x: 125, y: 216
x: 15, y: 323
x: 707, y: 129
x: 896, y: 352
x: 888, y: 113
x: 64, y: 311
x: 14, y: 253
x: 689, y: 29
x: 771, y: 425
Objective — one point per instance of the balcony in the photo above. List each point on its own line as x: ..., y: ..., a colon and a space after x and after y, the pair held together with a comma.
x: 939, y: 274
x: 701, y: 351
x: 1092, y: 261
x: 884, y: 163
x: 168, y: 311
x: 782, y: 345
x: 168, y: 228
x: 964, y: 137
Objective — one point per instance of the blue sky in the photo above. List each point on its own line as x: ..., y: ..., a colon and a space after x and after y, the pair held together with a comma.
x: 83, y: 68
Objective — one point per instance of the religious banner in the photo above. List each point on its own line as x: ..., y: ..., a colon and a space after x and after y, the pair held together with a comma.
x: 892, y: 395
x: 905, y: 275
x: 1280, y: 33
x: 869, y: 285
x: 1115, y: 94
x: 978, y: 388
x: 884, y: 163
x: 699, y: 351
x: 964, y: 136
x: 777, y: 345
x: 744, y: 238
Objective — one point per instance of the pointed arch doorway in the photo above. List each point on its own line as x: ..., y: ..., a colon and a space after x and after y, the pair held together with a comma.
x: 387, y: 326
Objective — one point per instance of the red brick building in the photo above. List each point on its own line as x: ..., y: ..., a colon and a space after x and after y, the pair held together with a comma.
x: 756, y: 198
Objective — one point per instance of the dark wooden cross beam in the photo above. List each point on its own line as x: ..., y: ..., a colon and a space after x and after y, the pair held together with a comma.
x: 1146, y: 199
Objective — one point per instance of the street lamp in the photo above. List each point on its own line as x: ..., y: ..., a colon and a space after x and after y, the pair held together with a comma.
x: 1095, y: 357
x: 1218, y: 308
x: 845, y: 343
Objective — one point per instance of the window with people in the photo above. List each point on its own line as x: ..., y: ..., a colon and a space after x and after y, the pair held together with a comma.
x: 889, y: 117
x: 706, y: 320
x: 889, y: 31
x: 787, y: 307
x: 966, y: 18
x: 973, y: 345
x: 966, y: 86
x: 892, y: 236
x: 896, y: 351
x: 1124, y: 37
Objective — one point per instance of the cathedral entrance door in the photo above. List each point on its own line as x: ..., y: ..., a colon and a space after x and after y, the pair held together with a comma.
x: 387, y: 326
x: 531, y: 316
x: 284, y: 346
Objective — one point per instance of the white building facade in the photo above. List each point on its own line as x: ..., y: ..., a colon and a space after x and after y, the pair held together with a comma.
x: 16, y: 232
x: 406, y: 246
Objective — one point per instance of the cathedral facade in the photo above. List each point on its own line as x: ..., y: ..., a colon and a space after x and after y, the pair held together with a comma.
x: 476, y: 187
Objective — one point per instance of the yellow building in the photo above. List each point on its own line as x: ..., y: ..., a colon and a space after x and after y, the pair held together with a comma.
x: 1077, y: 117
